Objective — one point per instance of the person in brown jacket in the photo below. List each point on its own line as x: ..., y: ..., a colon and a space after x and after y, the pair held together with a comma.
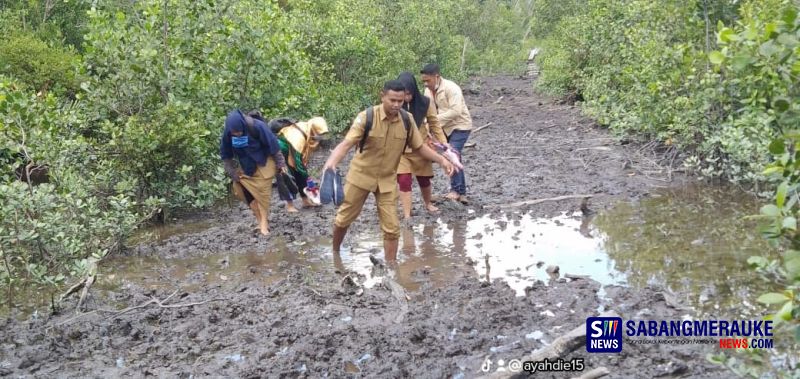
x: 454, y: 119
x: 373, y: 168
x: 424, y: 113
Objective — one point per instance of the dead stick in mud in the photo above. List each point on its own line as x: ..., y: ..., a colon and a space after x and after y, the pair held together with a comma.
x: 400, y: 294
x: 85, y: 291
x: 600, y: 148
x: 537, y: 201
x: 482, y: 127
x: 559, y: 348
x: 594, y: 374
x: 71, y: 319
x: 161, y: 304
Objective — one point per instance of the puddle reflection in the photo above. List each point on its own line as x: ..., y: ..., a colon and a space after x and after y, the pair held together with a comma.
x: 516, y: 248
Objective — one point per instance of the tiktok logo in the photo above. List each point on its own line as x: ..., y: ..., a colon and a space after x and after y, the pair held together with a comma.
x: 487, y: 365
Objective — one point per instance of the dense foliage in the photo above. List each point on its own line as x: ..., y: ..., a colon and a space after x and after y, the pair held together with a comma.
x: 110, y: 111
x: 643, y: 69
x: 716, y: 78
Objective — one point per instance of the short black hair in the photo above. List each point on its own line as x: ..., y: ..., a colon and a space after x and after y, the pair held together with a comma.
x: 394, y: 85
x: 430, y: 69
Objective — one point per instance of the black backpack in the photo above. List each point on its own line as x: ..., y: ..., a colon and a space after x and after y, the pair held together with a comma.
x: 368, y: 127
x: 248, y: 121
x: 275, y: 125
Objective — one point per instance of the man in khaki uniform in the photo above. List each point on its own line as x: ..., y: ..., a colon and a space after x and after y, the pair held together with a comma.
x: 373, y: 169
x: 454, y: 118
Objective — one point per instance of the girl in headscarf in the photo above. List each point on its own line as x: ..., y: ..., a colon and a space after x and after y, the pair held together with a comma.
x: 253, y: 144
x: 297, y: 141
x: 424, y: 113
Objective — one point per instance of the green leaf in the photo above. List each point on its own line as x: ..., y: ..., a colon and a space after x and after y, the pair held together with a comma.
x: 780, y: 194
x: 787, y: 39
x: 727, y: 35
x: 772, y: 298
x: 757, y: 261
x: 797, y: 333
x: 770, y: 210
x: 790, y: 223
x: 716, y: 57
x: 772, y: 170
x: 741, y: 62
x: 792, y: 267
x: 768, y: 49
x: 781, y: 104
x: 789, y: 16
x: 777, y: 146
x: 769, y: 29
x: 785, y: 313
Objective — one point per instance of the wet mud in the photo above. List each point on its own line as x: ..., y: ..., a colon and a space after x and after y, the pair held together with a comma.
x: 284, y: 307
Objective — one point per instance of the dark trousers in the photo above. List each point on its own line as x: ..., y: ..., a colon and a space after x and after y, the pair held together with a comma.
x: 458, y: 182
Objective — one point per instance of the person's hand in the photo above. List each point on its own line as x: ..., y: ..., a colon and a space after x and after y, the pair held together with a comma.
x: 230, y: 169
x: 327, y: 167
x: 284, y: 170
x: 448, y: 167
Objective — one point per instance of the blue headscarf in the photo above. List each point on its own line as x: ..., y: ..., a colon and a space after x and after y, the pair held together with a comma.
x: 261, y: 142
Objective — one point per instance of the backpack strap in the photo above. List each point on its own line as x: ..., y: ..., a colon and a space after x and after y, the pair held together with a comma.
x: 367, y: 128
x: 370, y: 114
x: 406, y: 124
x: 305, y: 136
x: 251, y: 129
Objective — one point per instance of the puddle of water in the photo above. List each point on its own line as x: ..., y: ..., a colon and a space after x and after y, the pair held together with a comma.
x: 160, y: 233
x: 693, y: 241
x: 515, y: 248
x: 192, y: 273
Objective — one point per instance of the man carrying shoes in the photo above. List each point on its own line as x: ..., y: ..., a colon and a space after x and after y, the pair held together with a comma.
x: 374, y: 166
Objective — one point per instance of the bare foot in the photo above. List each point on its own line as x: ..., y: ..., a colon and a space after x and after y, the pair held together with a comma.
x: 431, y: 208
x: 452, y: 196
x: 290, y: 208
x: 264, y: 231
x: 463, y: 199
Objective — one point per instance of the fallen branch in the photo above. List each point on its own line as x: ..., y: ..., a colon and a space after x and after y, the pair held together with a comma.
x: 85, y: 290
x: 161, y: 304
x: 482, y: 127
x: 537, y: 201
x: 83, y: 285
x: 558, y: 349
x: 594, y: 374
x: 601, y: 148
x: 400, y: 294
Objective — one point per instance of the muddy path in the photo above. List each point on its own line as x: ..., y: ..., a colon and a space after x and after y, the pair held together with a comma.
x: 310, y: 322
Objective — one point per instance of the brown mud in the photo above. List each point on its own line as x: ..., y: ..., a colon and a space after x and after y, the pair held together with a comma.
x: 282, y: 308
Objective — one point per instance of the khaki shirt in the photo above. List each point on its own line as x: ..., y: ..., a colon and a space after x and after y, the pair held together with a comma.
x: 376, y: 167
x: 451, y: 108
